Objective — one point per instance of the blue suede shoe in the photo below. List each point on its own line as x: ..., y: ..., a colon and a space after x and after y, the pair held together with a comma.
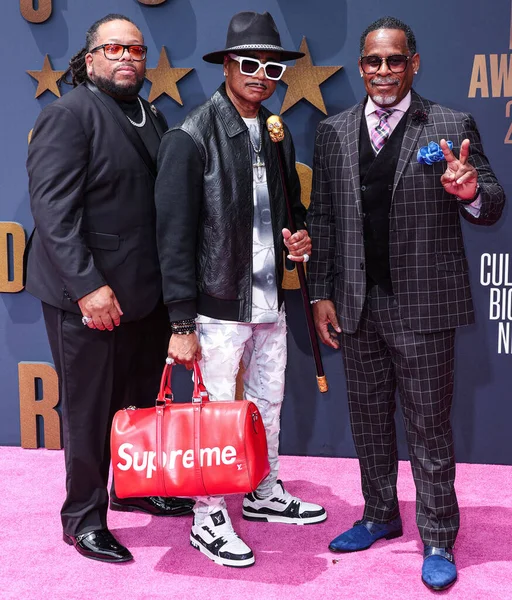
x: 364, y: 533
x: 439, y: 571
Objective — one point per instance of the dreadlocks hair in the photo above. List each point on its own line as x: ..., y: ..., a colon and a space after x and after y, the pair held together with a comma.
x: 77, y: 68
x: 389, y: 23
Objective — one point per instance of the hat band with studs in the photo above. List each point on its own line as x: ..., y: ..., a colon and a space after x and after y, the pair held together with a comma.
x: 257, y: 47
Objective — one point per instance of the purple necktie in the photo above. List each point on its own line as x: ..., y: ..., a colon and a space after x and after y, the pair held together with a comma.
x: 382, y: 131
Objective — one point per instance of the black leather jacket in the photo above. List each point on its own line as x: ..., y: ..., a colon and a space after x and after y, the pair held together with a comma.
x: 204, y: 199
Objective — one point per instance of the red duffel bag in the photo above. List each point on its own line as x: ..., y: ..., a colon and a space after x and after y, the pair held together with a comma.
x: 201, y: 448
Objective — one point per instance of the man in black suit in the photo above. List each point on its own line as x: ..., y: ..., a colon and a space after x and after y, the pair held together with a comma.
x: 92, y: 261
x: 388, y: 261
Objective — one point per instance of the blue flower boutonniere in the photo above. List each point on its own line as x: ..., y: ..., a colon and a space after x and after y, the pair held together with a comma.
x: 432, y: 153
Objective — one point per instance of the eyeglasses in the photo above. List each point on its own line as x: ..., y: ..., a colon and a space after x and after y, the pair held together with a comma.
x: 116, y: 51
x: 397, y: 63
x: 250, y: 66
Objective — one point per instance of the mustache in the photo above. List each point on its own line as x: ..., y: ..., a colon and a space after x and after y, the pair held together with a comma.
x: 124, y: 66
x: 258, y: 83
x: 384, y: 81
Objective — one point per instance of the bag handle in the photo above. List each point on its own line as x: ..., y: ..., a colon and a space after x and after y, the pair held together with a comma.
x: 200, y: 394
x: 166, y: 397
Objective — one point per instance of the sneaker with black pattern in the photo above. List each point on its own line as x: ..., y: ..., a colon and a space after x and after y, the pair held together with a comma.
x: 216, y: 539
x: 282, y: 507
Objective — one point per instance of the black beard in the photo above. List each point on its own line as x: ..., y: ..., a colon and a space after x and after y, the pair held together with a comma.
x: 114, y: 89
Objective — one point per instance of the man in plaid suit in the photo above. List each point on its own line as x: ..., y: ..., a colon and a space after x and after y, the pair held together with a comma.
x: 389, y: 274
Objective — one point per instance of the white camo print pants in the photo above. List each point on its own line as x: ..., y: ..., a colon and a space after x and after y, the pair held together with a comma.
x: 262, y: 349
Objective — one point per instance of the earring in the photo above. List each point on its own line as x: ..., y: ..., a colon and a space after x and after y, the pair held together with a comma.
x: 415, y: 72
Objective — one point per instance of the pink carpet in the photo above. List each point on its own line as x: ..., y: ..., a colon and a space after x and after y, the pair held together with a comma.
x: 291, y: 562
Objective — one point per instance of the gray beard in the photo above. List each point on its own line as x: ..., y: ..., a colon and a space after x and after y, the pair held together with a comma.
x: 384, y: 100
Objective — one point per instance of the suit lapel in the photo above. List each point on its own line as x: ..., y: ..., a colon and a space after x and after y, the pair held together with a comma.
x: 353, y: 134
x: 120, y: 118
x: 417, y: 118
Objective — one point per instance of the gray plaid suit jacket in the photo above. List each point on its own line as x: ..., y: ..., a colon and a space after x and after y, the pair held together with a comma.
x: 428, y: 264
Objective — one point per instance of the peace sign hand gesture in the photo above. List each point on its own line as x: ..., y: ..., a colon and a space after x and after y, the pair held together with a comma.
x: 460, y: 178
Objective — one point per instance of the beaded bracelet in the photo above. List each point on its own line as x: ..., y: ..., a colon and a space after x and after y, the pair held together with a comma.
x: 184, y: 327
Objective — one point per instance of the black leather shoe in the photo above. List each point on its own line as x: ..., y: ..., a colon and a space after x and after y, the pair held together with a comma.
x: 154, y: 505
x: 99, y: 544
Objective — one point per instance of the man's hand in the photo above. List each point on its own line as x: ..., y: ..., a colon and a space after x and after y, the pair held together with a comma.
x: 102, y: 306
x: 324, y: 314
x: 460, y: 178
x: 298, y: 244
x: 184, y: 349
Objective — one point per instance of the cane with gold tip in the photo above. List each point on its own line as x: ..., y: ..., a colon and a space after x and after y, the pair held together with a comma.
x: 275, y: 129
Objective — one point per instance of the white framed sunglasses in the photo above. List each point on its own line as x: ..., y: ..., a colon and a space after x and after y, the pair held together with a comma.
x: 250, y: 66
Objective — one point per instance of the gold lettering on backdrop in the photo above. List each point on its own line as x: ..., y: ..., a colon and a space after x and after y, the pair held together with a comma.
x: 491, y: 76
x: 290, y: 278
x: 499, y: 71
x: 33, y: 15
x: 501, y: 79
x: 12, y: 246
x: 508, y: 135
x: 29, y: 374
x: 479, y: 80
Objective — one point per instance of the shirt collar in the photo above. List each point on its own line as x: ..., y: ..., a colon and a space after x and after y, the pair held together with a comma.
x: 402, y: 106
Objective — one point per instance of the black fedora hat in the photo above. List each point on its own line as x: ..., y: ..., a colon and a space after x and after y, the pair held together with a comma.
x: 252, y: 31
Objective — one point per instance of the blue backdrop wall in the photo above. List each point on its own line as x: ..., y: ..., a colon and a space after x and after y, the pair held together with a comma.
x: 466, y: 54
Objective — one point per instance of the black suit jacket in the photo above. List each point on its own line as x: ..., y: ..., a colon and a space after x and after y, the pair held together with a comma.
x: 428, y: 264
x: 91, y: 182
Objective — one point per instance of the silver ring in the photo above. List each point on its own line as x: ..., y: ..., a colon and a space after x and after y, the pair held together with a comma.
x: 305, y: 257
x: 86, y: 320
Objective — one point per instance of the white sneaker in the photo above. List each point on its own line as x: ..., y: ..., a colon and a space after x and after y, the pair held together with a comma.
x: 282, y: 507
x: 217, y: 539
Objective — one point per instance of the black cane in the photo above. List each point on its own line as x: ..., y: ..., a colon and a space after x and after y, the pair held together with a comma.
x: 276, y: 130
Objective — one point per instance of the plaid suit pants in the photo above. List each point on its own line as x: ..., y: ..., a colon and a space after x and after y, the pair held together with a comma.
x: 383, y: 355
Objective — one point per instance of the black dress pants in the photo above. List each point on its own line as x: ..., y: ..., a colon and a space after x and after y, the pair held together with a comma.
x: 99, y: 373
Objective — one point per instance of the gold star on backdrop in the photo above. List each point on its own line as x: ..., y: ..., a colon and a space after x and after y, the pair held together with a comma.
x: 47, y: 79
x: 164, y: 79
x: 304, y: 80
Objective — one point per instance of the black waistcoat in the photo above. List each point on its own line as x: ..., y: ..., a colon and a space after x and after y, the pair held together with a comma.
x: 377, y: 174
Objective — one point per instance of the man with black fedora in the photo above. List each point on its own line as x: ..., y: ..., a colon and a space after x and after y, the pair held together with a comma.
x: 222, y: 227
